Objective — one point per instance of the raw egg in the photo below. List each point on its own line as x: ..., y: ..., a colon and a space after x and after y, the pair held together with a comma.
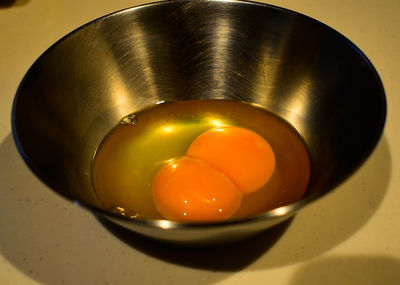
x: 190, y: 189
x: 207, y: 184
x: 200, y: 160
x: 245, y: 157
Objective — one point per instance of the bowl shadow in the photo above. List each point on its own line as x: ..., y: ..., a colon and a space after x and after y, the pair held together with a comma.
x: 12, y: 3
x: 228, y: 257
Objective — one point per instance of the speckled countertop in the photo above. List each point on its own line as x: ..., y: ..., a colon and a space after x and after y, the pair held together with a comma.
x: 351, y: 236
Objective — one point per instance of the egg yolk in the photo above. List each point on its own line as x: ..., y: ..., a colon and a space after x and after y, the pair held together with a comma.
x: 208, y: 183
x: 189, y: 189
x: 242, y: 155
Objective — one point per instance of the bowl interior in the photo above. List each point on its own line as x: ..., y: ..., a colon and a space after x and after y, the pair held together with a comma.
x: 292, y: 65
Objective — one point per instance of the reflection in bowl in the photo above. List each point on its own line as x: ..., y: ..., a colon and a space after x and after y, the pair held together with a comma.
x: 294, y: 66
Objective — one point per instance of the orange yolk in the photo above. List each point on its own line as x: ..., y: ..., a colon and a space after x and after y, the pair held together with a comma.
x: 242, y: 155
x: 189, y: 189
x: 208, y: 184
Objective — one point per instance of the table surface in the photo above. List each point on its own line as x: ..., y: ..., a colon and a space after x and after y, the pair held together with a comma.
x: 351, y: 236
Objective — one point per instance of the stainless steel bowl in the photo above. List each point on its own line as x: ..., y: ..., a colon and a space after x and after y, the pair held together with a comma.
x: 295, y: 66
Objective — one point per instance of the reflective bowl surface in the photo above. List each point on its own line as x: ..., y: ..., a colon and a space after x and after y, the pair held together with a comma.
x: 294, y: 66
